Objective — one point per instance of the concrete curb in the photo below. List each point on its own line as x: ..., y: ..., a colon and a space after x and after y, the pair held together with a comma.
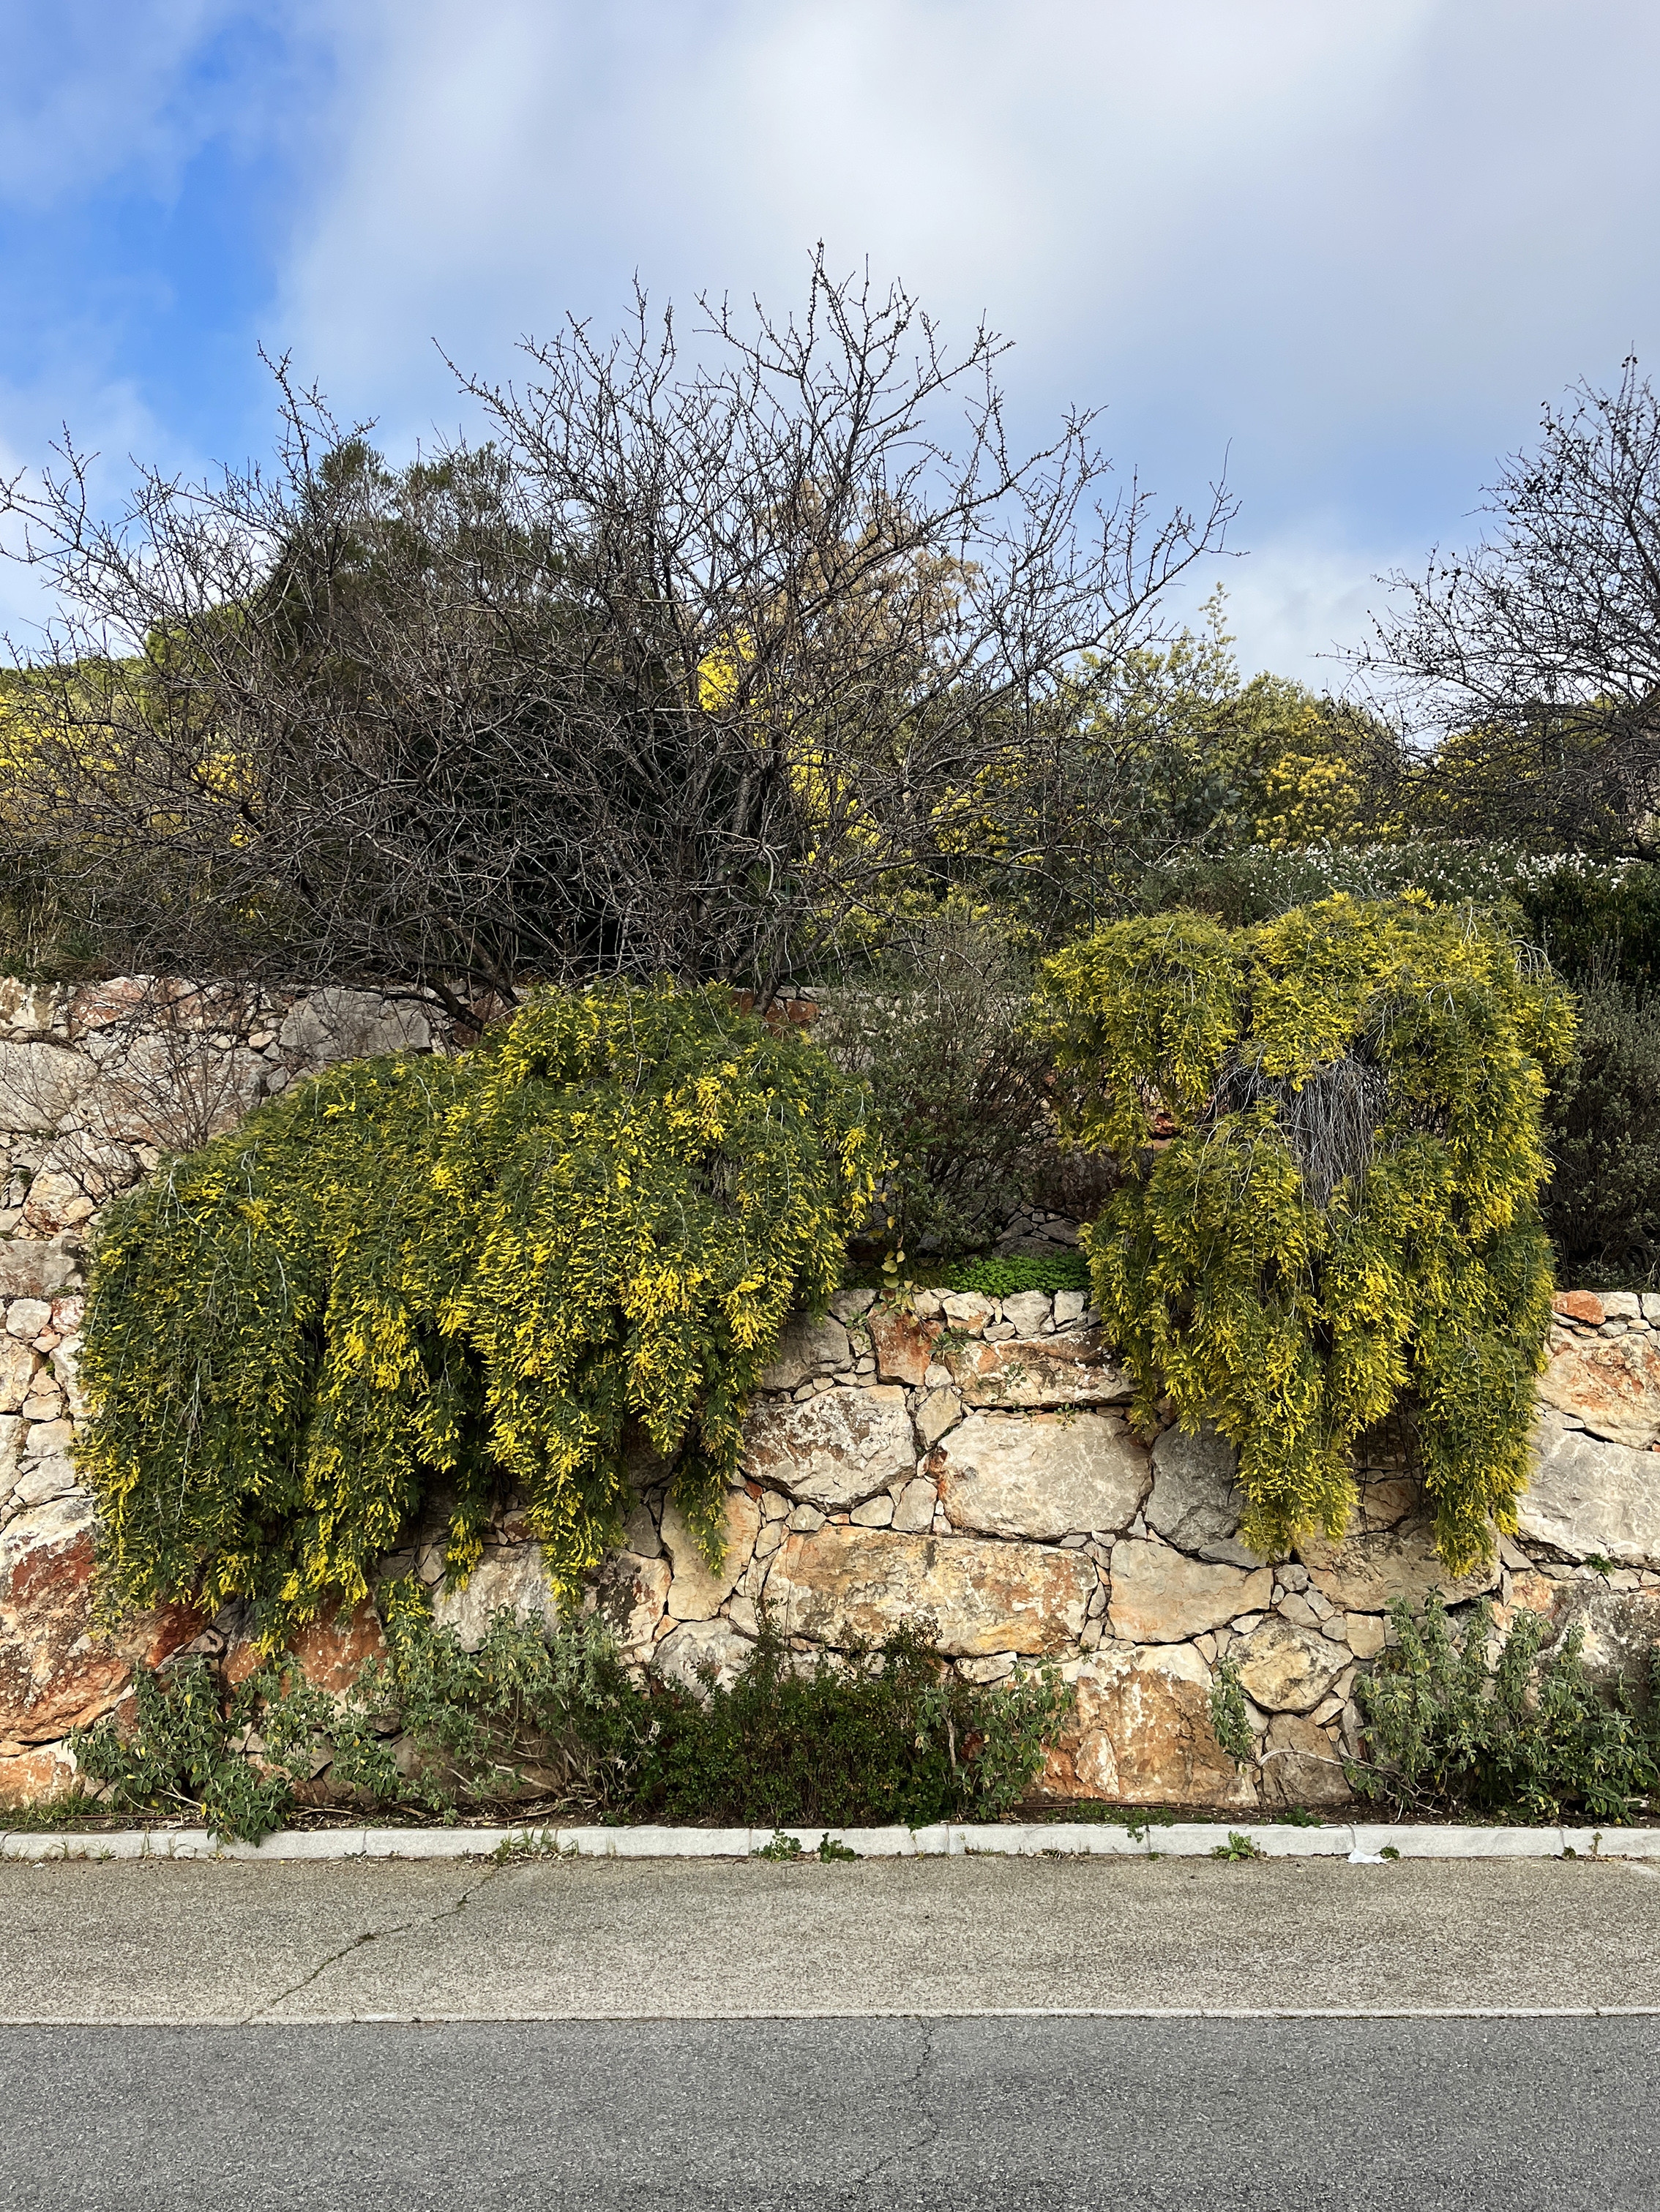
x: 1359, y: 1844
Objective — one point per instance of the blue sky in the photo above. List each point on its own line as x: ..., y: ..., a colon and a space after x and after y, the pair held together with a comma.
x: 1350, y: 244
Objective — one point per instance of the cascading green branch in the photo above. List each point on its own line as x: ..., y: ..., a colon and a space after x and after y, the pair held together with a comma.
x: 419, y: 1276
x: 1330, y: 1125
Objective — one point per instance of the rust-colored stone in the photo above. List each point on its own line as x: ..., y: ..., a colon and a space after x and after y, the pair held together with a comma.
x: 1580, y: 1305
x: 1141, y: 1734
x: 1611, y: 1384
x: 56, y: 1673
x: 903, y: 1345
x: 36, y: 1777
x: 1056, y: 1370
x: 843, y: 1584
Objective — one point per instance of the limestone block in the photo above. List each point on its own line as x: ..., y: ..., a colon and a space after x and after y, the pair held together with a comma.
x: 1028, y: 1310
x: 509, y: 1578
x: 939, y: 1411
x: 1368, y: 1571
x: 639, y: 1533
x: 1160, y: 1596
x: 1064, y: 1371
x: 699, y: 1652
x: 629, y: 1592
x: 55, y: 1201
x: 26, y: 1317
x: 1586, y: 1495
x: 1287, y: 1668
x: 17, y: 1365
x: 36, y: 1777
x: 1619, y: 1627
x: 1041, y: 1475
x: 39, y: 1084
x: 56, y: 1673
x: 833, y: 1450
x: 849, y: 1306
x: 807, y: 1346
x: 902, y: 1343
x: 333, y: 1023
x: 1300, y: 1764
x: 913, y: 1511
x: 1194, y: 1504
x: 1610, y: 1383
x: 841, y: 1585
x: 1363, y: 1632
x: 698, y: 1590
x: 1140, y: 1734
x: 1069, y: 1306
x: 967, y: 1309
x: 32, y: 1268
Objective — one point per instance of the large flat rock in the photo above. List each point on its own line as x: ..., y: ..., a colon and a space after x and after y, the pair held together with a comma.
x: 834, y: 1451
x: 1590, y: 1497
x: 841, y: 1585
x: 1367, y: 1572
x: 1286, y: 1668
x: 1161, y: 1596
x: 1051, y: 1370
x: 1611, y: 1384
x: 1041, y: 1475
x: 1141, y: 1734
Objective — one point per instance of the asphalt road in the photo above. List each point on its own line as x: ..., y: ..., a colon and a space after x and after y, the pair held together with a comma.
x: 899, y: 2033
x: 1162, y: 2116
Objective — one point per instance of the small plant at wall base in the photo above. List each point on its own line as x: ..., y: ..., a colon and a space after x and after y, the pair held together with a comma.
x: 1331, y: 1123
x: 477, y: 1271
x: 1451, y: 1727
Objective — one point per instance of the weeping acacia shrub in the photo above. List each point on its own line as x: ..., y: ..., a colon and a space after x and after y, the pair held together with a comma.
x: 471, y: 1273
x: 1332, y: 1125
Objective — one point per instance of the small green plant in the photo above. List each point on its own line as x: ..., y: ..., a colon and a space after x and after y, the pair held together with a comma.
x: 1237, y: 1849
x: 1298, y: 1816
x: 1524, y: 1736
x: 833, y: 1853
x: 1388, y: 1851
x: 780, y: 1849
x: 997, y: 1278
x: 1598, y: 1565
x: 1230, y: 1718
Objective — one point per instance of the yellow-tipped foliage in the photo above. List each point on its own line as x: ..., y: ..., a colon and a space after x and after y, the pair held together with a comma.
x: 1330, y: 1125
x: 416, y: 1277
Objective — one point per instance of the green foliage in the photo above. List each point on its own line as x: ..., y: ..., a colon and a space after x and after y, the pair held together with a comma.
x: 831, y: 1852
x: 1230, y: 1722
x: 1237, y: 1849
x: 476, y: 1272
x: 1449, y: 1728
x: 780, y: 1850
x: 1330, y: 1126
x: 1598, y: 924
x: 186, y: 1746
x: 871, y: 1736
x: 1602, y: 1205
x: 940, y: 1038
x: 995, y: 1277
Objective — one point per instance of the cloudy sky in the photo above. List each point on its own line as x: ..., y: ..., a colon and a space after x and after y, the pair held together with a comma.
x: 1346, y: 246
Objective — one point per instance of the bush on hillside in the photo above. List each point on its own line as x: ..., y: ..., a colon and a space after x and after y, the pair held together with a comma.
x: 1602, y: 1205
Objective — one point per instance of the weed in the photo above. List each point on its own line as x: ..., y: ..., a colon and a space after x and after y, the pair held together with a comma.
x: 1237, y: 1849
x: 781, y: 1848
x: 831, y: 1852
x: 1388, y: 1851
x: 1297, y: 1816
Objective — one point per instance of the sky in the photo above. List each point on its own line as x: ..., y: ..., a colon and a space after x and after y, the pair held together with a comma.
x: 1343, y: 249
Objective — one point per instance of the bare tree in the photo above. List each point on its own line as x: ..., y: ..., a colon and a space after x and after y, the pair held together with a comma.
x: 1535, y: 658
x: 681, y: 670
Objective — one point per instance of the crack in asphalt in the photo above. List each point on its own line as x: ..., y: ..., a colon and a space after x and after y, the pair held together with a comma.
x: 267, y: 2005
x: 930, y: 2132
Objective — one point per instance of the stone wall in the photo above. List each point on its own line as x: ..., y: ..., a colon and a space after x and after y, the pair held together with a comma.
x: 967, y: 1458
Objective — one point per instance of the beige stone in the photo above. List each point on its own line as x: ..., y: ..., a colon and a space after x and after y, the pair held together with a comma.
x: 30, y: 1267
x: 1610, y: 1383
x: 39, y: 1084
x: 1041, y: 1475
x: 1160, y: 1596
x: 807, y: 1346
x: 1285, y: 1667
x: 939, y: 1411
x: 833, y: 1450
x: 1367, y: 1572
x: 509, y: 1578
x: 1365, y: 1634
x: 1586, y: 1495
x: 1141, y: 1734
x: 913, y: 1511
x: 1063, y: 1371
x: 842, y: 1585
x: 966, y: 1308
x: 698, y: 1589
x: 26, y: 1317
x: 629, y: 1592
x: 1301, y: 1765
x: 17, y: 1365
x: 697, y: 1653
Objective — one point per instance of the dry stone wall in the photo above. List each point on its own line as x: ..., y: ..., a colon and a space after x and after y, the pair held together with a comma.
x: 963, y: 1457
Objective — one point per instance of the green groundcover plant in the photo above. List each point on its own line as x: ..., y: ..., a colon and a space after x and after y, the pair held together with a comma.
x: 478, y: 1272
x: 1330, y: 1125
x: 546, y: 1716
x: 1452, y: 1725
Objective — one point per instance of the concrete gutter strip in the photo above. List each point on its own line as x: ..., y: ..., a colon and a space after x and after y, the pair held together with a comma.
x: 1360, y: 1844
